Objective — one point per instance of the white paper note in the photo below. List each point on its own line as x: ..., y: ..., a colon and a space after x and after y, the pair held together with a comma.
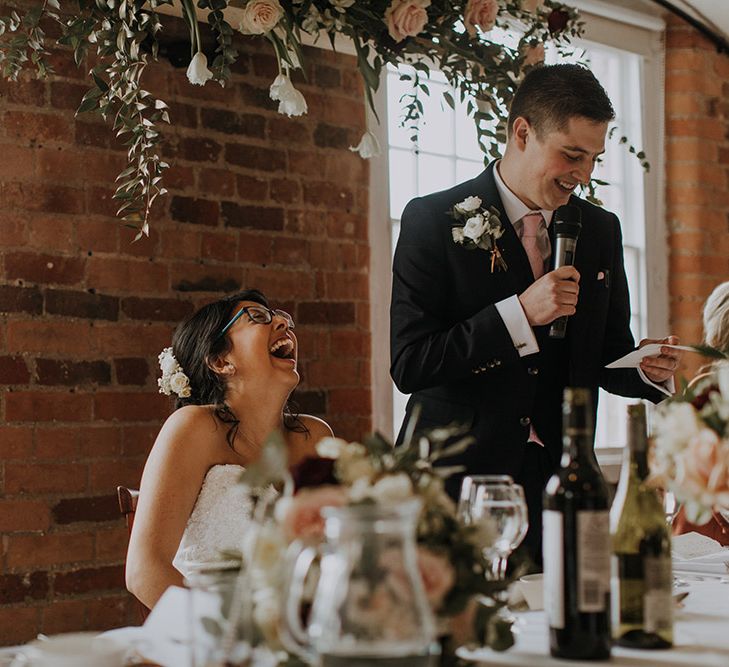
x: 633, y: 359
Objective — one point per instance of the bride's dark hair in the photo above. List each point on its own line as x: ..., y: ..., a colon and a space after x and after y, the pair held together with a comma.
x: 197, y: 342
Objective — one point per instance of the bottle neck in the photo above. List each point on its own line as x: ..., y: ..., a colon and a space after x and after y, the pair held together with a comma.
x: 577, y: 427
x: 637, y: 453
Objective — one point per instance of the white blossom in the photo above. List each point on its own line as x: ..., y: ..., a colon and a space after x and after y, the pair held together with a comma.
x: 392, y: 489
x: 458, y: 236
x: 198, y: 73
x: 475, y: 227
x: 330, y: 448
x: 291, y: 101
x: 180, y: 384
x: 469, y: 204
x: 677, y: 424
x: 368, y: 146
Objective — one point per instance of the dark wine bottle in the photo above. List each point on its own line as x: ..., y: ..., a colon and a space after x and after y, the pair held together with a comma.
x: 642, y: 604
x: 576, y: 544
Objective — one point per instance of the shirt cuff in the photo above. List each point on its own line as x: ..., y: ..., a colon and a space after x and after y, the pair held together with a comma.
x: 668, y: 387
x: 517, y: 325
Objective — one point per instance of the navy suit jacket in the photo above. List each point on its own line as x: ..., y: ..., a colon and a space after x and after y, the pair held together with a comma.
x: 451, y: 350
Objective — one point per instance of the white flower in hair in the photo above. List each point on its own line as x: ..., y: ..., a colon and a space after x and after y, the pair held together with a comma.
x: 173, y: 378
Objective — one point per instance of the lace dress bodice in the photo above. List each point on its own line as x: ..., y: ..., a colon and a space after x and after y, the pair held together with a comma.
x: 218, y: 521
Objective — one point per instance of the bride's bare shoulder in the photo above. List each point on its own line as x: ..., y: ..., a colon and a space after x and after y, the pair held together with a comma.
x: 192, y: 428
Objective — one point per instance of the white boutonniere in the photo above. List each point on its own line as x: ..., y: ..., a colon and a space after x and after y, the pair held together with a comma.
x: 475, y: 227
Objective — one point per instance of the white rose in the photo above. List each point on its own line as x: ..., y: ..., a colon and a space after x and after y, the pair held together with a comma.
x: 677, y: 423
x: 458, y: 234
x: 722, y: 375
x: 360, y: 490
x: 392, y: 489
x: 291, y: 101
x: 198, y: 73
x: 469, y: 204
x: 330, y: 448
x: 260, y: 16
x: 367, y: 147
x: 167, y: 362
x: 164, y: 386
x: 179, y: 382
x: 474, y: 227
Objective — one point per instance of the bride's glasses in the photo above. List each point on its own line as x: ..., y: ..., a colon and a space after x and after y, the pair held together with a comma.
x: 258, y: 315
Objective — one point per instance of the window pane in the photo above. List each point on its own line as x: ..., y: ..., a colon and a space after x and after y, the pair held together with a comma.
x: 465, y: 169
x: 435, y: 173
x: 403, y: 175
x: 437, y: 127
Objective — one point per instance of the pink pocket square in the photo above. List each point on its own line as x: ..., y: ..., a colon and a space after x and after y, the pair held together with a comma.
x: 600, y: 275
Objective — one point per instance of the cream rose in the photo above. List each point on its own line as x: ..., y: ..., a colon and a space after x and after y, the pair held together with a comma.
x: 303, y: 519
x: 406, y: 18
x: 480, y: 13
x: 180, y: 384
x: 260, y: 16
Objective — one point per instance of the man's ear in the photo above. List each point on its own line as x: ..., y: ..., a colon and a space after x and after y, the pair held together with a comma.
x: 521, y: 132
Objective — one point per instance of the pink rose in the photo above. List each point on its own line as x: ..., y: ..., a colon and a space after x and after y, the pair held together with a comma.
x: 705, y: 469
x: 437, y: 575
x: 481, y: 13
x: 533, y: 55
x: 260, y: 16
x: 303, y: 519
x: 406, y: 18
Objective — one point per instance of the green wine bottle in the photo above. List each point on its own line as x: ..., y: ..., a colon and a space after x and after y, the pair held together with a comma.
x: 642, y: 605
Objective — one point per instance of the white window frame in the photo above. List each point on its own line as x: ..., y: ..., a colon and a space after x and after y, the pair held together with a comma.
x: 606, y: 24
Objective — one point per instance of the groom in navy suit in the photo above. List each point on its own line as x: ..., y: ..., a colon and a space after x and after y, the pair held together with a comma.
x: 469, y: 328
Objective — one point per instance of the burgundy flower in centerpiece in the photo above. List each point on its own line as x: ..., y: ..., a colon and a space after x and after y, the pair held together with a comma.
x: 700, y: 400
x: 313, y: 471
x: 557, y: 20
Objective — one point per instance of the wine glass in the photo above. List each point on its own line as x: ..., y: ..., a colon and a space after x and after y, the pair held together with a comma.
x: 468, y: 489
x: 670, y: 506
x: 500, y: 510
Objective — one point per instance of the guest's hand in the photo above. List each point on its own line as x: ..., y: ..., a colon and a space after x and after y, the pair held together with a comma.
x: 661, y: 367
x: 552, y: 296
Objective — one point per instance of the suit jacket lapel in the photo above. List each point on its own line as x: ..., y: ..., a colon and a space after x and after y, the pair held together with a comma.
x: 517, y: 262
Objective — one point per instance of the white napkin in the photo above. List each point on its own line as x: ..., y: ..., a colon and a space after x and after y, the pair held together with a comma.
x: 633, y: 359
x: 693, y: 552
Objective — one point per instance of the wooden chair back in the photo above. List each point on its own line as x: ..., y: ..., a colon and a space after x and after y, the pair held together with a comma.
x: 128, y: 507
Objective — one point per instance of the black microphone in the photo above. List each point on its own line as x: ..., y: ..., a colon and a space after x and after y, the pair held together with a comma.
x: 567, y: 226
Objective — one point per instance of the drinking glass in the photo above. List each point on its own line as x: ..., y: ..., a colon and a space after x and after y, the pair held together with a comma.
x: 469, y: 485
x: 500, y: 510
x: 670, y: 506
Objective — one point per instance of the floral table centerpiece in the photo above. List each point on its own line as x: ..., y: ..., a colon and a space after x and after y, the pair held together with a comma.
x: 450, y: 554
x: 691, y: 446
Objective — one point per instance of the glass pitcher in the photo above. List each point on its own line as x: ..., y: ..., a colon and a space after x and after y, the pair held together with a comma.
x: 369, y: 608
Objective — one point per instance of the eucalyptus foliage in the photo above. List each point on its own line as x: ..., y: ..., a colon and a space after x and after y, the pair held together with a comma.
x: 121, y: 38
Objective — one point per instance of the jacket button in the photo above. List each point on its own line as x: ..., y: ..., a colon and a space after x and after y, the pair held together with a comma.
x: 525, y: 421
x: 533, y: 370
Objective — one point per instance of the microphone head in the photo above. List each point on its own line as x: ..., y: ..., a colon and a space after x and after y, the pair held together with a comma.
x: 568, y: 221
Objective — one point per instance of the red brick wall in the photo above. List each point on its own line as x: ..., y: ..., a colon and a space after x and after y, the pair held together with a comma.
x: 255, y: 199
x: 697, y: 172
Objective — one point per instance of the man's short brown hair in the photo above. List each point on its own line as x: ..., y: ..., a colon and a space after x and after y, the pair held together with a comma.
x: 552, y: 94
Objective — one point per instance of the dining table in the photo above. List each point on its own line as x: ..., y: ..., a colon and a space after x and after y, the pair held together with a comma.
x: 701, y: 634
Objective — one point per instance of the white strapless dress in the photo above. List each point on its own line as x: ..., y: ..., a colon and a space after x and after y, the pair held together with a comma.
x: 219, y: 519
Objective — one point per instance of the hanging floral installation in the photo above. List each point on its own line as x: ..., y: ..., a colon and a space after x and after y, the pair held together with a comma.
x: 456, y: 37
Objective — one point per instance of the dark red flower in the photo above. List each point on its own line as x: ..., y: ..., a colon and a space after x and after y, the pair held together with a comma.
x: 700, y: 400
x: 557, y: 20
x: 313, y: 471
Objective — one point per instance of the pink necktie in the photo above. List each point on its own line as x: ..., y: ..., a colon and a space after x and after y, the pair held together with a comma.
x: 533, y: 238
